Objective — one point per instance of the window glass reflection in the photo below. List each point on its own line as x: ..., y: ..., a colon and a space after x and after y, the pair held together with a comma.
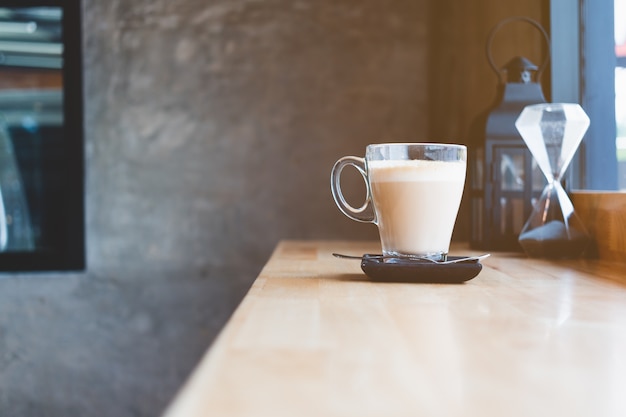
x: 32, y: 145
x: 512, y: 170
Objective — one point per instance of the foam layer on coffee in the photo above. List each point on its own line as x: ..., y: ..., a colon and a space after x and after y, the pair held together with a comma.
x: 416, y: 204
x: 416, y: 170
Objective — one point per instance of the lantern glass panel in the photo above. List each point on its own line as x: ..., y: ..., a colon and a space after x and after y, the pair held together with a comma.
x: 539, y: 180
x: 512, y: 212
x: 477, y: 220
x: 509, y: 201
x: 477, y: 178
x: 512, y: 171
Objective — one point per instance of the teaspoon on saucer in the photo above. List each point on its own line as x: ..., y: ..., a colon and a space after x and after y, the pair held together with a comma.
x: 455, y: 260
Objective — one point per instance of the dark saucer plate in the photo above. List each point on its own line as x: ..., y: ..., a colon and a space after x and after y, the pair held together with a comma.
x: 410, y: 270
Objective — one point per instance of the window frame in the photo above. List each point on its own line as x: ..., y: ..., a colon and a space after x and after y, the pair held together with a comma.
x: 583, y: 71
x: 70, y: 254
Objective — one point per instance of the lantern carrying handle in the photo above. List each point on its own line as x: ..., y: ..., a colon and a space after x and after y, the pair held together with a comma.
x: 507, y: 21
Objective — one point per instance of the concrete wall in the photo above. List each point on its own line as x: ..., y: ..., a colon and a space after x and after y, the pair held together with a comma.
x: 211, y: 128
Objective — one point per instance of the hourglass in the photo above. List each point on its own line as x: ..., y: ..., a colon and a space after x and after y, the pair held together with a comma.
x: 553, y: 132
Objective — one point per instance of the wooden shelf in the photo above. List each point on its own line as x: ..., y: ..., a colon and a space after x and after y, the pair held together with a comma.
x: 315, y: 337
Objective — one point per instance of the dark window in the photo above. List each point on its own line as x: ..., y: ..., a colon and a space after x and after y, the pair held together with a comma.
x: 41, y: 136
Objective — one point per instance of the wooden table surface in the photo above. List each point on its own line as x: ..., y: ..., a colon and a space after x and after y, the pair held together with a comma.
x: 313, y: 337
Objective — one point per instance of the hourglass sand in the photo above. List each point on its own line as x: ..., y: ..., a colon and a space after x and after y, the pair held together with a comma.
x: 553, y: 132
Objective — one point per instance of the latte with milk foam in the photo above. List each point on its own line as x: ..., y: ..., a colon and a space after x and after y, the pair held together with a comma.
x: 416, y: 204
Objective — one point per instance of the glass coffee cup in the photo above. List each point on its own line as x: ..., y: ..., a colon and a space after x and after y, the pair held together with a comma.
x: 413, y: 195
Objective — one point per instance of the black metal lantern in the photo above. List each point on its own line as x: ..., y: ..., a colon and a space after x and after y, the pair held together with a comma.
x: 503, y: 179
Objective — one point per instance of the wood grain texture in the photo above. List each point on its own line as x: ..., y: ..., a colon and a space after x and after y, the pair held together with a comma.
x: 313, y: 337
x: 462, y: 84
x: 604, y: 215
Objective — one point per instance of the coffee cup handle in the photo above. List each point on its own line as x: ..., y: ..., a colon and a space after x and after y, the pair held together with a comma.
x: 365, y: 213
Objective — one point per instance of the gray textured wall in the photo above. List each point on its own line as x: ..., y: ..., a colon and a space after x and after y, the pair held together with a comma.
x: 211, y: 128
